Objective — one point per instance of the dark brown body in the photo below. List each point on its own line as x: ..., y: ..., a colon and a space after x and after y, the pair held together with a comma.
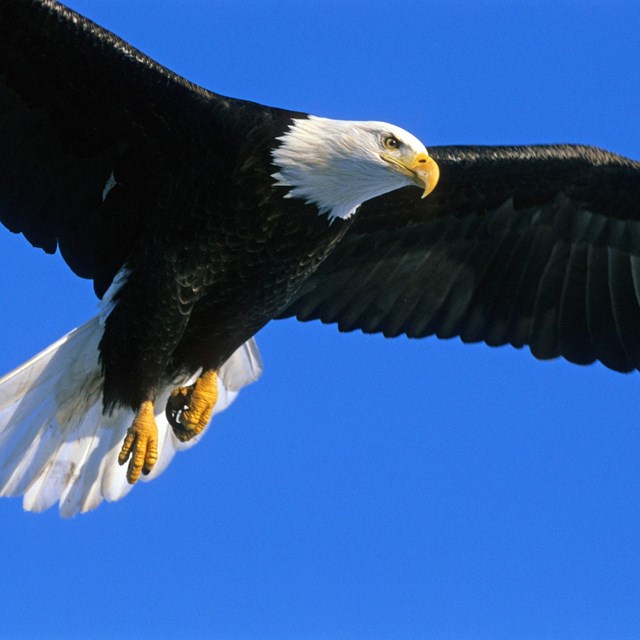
x: 199, y: 286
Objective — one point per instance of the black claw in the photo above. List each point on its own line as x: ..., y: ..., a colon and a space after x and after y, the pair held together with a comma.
x: 173, y: 411
x: 176, y: 405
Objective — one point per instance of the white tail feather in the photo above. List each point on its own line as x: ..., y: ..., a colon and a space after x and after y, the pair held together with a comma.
x: 56, y: 445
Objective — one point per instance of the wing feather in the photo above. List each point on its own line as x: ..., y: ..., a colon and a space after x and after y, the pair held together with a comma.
x: 89, y: 127
x: 534, y: 246
x: 624, y: 305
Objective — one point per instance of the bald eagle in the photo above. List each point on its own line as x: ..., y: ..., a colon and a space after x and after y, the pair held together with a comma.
x: 200, y: 218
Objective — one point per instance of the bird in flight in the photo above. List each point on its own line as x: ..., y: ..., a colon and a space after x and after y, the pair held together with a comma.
x: 200, y: 218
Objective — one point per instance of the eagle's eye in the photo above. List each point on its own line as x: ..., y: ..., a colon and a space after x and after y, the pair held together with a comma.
x: 392, y: 143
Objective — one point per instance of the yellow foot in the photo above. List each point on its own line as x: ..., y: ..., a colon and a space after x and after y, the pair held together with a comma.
x: 141, y: 443
x: 189, y: 408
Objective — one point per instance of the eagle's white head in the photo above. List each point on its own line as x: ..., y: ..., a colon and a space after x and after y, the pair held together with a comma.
x: 339, y: 164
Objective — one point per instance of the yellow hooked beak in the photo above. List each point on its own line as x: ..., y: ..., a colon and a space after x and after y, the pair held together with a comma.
x: 422, y: 170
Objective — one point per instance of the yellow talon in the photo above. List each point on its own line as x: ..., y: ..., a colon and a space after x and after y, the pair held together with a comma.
x: 189, y: 408
x: 141, y: 443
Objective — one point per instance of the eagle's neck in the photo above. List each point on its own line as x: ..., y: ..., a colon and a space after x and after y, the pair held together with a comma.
x: 326, y: 163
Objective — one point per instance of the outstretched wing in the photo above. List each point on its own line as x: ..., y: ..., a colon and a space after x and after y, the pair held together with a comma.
x: 88, y: 125
x: 535, y: 246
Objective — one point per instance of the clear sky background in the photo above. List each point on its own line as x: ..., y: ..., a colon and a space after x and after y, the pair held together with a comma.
x: 364, y: 488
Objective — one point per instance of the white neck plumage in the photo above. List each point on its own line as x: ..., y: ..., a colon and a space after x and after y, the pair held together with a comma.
x: 336, y: 164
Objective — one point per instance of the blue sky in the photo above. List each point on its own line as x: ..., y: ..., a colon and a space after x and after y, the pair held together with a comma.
x: 364, y: 488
